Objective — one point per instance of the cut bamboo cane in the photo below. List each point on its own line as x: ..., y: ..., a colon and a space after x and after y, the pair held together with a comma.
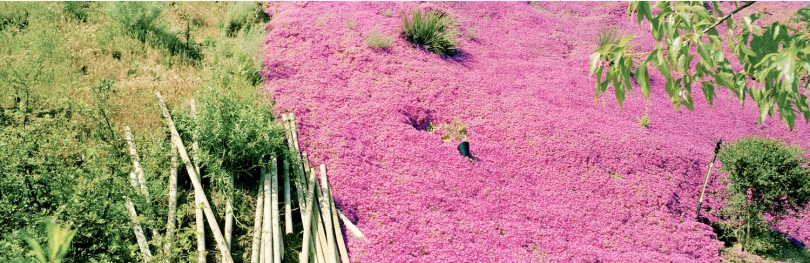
x: 257, y: 224
x: 199, y: 217
x: 326, y: 215
x: 287, y: 204
x: 133, y: 180
x: 136, y: 227
x: 344, y: 254
x: 209, y: 214
x: 294, y: 132
x: 353, y: 230
x: 322, y: 243
x: 167, y: 248
x: 274, y: 210
x: 267, y: 240
x: 305, y: 160
x: 229, y: 214
x: 307, y: 216
x: 136, y: 161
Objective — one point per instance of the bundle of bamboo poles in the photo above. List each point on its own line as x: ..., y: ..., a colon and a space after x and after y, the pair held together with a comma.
x: 323, y: 240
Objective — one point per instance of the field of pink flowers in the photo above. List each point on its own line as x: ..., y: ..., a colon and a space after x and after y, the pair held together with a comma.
x: 560, y: 177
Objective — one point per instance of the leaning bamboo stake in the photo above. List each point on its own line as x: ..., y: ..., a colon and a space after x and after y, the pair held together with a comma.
x: 267, y: 240
x: 229, y: 215
x: 257, y: 224
x: 344, y: 254
x: 294, y: 132
x: 354, y: 231
x: 322, y: 242
x: 136, y: 227
x: 274, y: 210
x: 136, y: 161
x: 167, y: 248
x: 307, y: 215
x: 287, y: 204
x: 326, y: 210
x: 209, y: 214
x: 199, y: 223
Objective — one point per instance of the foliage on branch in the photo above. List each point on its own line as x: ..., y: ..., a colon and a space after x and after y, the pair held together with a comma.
x: 775, y: 58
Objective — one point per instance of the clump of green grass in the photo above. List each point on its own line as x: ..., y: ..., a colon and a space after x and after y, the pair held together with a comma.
x: 78, y: 10
x: 453, y: 131
x: 644, y: 120
x: 388, y: 12
x: 243, y: 14
x: 607, y: 36
x: 350, y: 23
x: 377, y: 40
x: 434, y: 30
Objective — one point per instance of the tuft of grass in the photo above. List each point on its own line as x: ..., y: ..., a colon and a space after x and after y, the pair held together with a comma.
x: 434, y: 30
x: 607, y: 36
x: 78, y: 10
x: 472, y: 33
x: 644, y: 120
x: 239, y: 15
x: 388, y: 12
x: 453, y: 131
x: 350, y: 23
x: 377, y: 40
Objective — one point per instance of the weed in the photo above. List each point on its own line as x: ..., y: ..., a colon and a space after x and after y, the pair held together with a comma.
x: 472, y: 33
x: 607, y: 36
x: 434, y: 30
x: 78, y: 10
x: 454, y: 131
x: 243, y: 14
x: 350, y: 23
x: 377, y: 40
x: 644, y: 120
x: 141, y: 21
x: 388, y: 12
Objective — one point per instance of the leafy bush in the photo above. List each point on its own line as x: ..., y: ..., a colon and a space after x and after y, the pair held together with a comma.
x: 377, y: 40
x: 766, y: 179
x: 433, y: 29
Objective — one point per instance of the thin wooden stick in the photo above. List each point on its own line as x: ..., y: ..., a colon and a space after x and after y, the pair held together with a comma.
x: 353, y: 230
x: 136, y: 227
x: 257, y: 224
x: 326, y: 209
x: 209, y: 214
x: 229, y: 214
x: 307, y: 218
x: 267, y: 239
x: 199, y: 217
x: 274, y: 210
x: 287, y: 204
x: 322, y: 242
x: 167, y: 248
x: 294, y: 132
x: 344, y: 254
x: 136, y: 161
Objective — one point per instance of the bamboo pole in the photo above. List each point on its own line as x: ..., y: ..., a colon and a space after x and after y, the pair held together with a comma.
x: 199, y: 223
x: 344, y: 254
x: 136, y: 161
x: 267, y: 240
x: 229, y: 214
x: 274, y: 210
x: 294, y: 132
x: 353, y: 230
x: 209, y: 214
x: 167, y: 248
x: 321, y: 243
x: 287, y: 204
x: 326, y: 209
x: 136, y: 227
x: 257, y: 224
x: 307, y: 215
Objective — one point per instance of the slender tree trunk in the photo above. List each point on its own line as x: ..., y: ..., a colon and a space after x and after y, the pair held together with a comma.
x: 209, y: 214
x: 167, y: 248
x: 199, y: 217
x: 257, y: 224
x: 136, y: 227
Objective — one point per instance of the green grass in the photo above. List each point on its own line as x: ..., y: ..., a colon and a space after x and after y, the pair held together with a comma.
x: 350, y: 23
x: 433, y: 30
x: 455, y: 131
x: 644, y: 120
x: 377, y: 40
x: 607, y: 36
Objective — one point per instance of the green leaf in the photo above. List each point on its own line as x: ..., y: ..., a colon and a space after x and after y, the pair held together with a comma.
x: 598, y: 83
x: 747, y: 23
x: 644, y: 10
x: 724, y: 79
x: 705, y: 54
x: 643, y: 78
x: 700, y: 11
x: 708, y: 92
x: 604, y: 49
x: 745, y: 49
x: 626, y: 39
x: 39, y: 253
x: 595, y: 61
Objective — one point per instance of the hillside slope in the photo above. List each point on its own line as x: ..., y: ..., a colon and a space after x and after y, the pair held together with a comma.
x: 560, y: 178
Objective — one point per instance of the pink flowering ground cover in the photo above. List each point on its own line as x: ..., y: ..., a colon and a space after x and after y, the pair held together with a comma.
x: 559, y: 177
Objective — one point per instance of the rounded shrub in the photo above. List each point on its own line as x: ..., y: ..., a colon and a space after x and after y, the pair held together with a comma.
x: 767, y: 181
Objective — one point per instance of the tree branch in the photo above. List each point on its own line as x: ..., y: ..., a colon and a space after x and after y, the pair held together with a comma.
x: 729, y: 15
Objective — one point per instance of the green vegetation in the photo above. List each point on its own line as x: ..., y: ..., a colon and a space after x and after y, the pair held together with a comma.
x: 773, y: 56
x: 434, y: 30
x: 75, y: 74
x: 59, y: 238
x: 377, y: 40
x: 350, y: 23
x: 765, y: 178
x: 644, y: 120
x: 453, y: 131
x: 607, y: 36
x: 388, y: 12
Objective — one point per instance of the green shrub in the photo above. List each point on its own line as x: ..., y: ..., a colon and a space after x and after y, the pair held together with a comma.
x: 377, y: 40
x: 765, y: 178
x: 434, y: 30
